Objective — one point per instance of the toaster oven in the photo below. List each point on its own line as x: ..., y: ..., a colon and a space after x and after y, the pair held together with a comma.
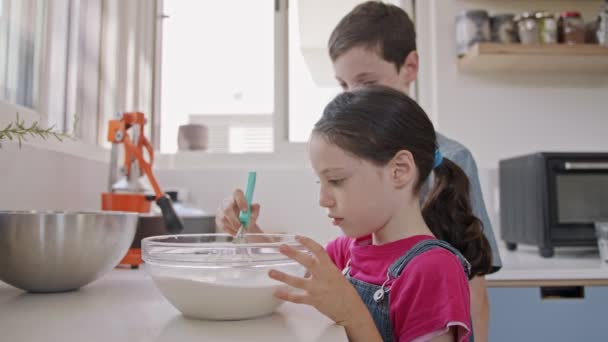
x: 553, y: 199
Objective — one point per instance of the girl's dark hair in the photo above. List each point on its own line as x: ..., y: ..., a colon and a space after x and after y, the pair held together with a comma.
x: 374, y: 123
x: 381, y: 27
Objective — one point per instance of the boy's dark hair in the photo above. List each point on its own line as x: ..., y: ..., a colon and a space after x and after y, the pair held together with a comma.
x: 374, y: 123
x: 384, y: 28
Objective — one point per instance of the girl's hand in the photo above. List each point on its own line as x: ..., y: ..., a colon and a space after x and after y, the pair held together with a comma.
x: 325, y: 287
x: 227, y: 215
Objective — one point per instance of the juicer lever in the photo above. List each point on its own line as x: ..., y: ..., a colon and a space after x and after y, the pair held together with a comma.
x: 172, y: 221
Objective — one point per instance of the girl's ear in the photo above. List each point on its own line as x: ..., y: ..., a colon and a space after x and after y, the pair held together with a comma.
x: 409, y: 70
x: 403, y: 169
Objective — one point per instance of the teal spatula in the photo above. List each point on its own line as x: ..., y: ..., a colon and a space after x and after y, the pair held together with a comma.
x: 245, y: 216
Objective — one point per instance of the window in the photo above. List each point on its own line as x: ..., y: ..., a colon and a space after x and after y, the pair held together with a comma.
x: 49, y: 63
x: 311, y: 81
x: 256, y: 72
x: 21, y: 37
x: 275, y: 69
x: 218, y: 70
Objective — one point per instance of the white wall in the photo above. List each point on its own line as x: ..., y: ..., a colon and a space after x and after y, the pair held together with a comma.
x: 34, y: 178
x: 49, y: 175
x: 502, y: 115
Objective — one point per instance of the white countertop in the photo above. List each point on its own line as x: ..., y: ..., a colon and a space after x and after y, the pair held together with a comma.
x: 124, y: 305
x: 569, y: 265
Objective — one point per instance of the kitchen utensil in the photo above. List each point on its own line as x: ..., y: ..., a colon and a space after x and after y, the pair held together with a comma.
x: 128, y: 194
x: 206, y: 276
x: 61, y: 251
x: 245, y: 216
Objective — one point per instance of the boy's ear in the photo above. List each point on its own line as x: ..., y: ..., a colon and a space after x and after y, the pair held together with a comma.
x: 403, y: 169
x: 410, y: 67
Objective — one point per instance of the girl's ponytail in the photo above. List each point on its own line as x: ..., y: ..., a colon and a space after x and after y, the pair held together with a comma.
x: 448, y: 213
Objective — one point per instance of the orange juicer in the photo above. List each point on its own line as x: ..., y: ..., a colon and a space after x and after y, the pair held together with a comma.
x: 127, y: 193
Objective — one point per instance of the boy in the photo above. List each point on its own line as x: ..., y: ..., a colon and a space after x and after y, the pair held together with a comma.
x: 375, y: 43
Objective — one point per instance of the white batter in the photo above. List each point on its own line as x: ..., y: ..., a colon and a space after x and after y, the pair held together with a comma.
x: 211, y: 299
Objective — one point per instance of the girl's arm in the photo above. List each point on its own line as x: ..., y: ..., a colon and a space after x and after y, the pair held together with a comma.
x: 362, y: 327
x: 480, y: 308
x: 327, y: 290
x: 450, y: 336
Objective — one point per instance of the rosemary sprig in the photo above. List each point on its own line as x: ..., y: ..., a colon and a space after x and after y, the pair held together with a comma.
x: 20, y: 132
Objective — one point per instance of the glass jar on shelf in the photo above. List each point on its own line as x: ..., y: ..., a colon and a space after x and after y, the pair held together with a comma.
x: 472, y: 26
x: 527, y: 28
x: 602, y: 25
x: 503, y: 28
x: 591, y: 32
x: 547, y: 27
x: 571, y: 28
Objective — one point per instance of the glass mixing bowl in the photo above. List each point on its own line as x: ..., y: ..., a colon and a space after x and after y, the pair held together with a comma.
x: 208, y: 276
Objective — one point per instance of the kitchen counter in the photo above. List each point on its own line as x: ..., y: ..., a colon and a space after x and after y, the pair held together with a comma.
x: 570, y: 266
x: 124, y: 305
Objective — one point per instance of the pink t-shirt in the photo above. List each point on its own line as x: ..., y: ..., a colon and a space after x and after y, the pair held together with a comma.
x: 431, y: 294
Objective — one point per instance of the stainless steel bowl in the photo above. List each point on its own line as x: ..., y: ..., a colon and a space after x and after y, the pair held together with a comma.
x: 61, y: 251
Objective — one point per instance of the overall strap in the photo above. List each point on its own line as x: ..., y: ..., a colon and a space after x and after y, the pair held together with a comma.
x: 423, y: 246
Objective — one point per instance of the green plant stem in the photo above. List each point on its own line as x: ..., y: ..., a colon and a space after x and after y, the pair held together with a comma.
x: 20, y: 132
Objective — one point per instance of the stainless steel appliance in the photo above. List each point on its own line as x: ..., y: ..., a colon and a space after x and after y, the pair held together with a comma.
x: 552, y: 199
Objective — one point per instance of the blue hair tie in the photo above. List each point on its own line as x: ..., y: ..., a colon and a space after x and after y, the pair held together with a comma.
x: 438, y: 159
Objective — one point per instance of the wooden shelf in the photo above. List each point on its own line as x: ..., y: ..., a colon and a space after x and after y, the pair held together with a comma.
x: 488, y: 57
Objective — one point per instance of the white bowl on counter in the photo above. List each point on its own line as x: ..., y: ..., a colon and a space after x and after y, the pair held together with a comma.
x: 207, y: 276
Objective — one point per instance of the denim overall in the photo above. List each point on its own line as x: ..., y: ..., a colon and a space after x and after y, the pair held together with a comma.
x: 376, y: 298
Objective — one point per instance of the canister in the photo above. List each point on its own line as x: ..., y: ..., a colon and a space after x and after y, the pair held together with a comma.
x: 602, y: 25
x: 547, y: 27
x: 503, y: 28
x: 591, y: 32
x: 571, y: 28
x: 527, y: 28
x: 472, y: 26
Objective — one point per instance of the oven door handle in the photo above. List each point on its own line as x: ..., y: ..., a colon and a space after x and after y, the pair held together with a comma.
x: 585, y: 166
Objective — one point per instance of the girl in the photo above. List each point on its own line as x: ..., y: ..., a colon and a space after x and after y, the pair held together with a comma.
x: 400, y: 272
